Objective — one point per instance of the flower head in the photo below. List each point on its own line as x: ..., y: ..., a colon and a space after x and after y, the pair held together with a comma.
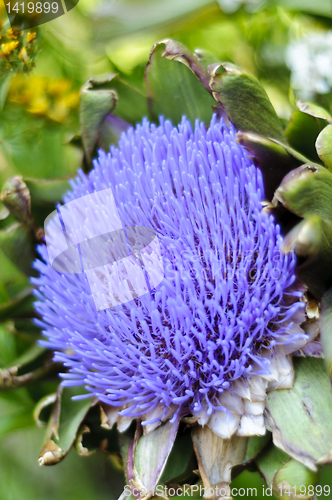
x: 219, y: 327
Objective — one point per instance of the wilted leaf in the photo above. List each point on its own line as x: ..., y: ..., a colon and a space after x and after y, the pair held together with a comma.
x: 150, y: 457
x: 245, y: 101
x: 9, y: 379
x: 16, y: 197
x: 83, y: 450
x: 306, y: 191
x: 95, y: 104
x: 312, y: 241
x: 301, y: 418
x: 46, y: 401
x: 216, y: 457
x: 173, y: 88
x: 64, y: 424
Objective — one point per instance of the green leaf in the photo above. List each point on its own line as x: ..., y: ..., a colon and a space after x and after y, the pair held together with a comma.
x: 46, y: 191
x: 21, y: 305
x: 95, y: 104
x: 295, y: 477
x: 302, y: 132
x: 255, y: 445
x: 312, y: 241
x: 306, y: 191
x: 318, y: 8
x: 18, y: 244
x: 64, y: 424
x: 325, y: 321
x: 314, y: 110
x: 301, y: 418
x: 5, y: 80
x: 270, y: 461
x: 324, y: 146
x: 127, y: 18
x: 173, y: 88
x: 179, y: 461
x: 127, y: 94
x: 245, y: 101
x: 273, y: 159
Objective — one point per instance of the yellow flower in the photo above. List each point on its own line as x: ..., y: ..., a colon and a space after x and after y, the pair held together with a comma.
x: 23, y: 55
x: 7, y: 48
x: 31, y: 37
x: 13, y: 33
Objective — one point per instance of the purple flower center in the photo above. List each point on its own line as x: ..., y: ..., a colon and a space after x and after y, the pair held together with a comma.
x: 226, y: 292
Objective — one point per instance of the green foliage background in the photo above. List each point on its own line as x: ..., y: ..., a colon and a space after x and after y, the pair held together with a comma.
x: 38, y: 125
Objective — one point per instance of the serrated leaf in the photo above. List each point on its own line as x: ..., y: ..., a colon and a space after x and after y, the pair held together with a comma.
x: 95, y: 104
x: 64, y: 424
x: 300, y: 418
x: 173, y: 88
x: 312, y: 241
x: 245, y: 101
x: 307, y: 191
x: 324, y: 146
x: 302, y: 132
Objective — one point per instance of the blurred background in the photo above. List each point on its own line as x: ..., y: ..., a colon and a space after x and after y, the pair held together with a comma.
x: 287, y: 44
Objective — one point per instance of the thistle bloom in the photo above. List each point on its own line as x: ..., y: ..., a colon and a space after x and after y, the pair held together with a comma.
x: 217, y: 332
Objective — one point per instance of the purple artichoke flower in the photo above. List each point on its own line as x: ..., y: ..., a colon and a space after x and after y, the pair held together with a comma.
x: 217, y: 332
